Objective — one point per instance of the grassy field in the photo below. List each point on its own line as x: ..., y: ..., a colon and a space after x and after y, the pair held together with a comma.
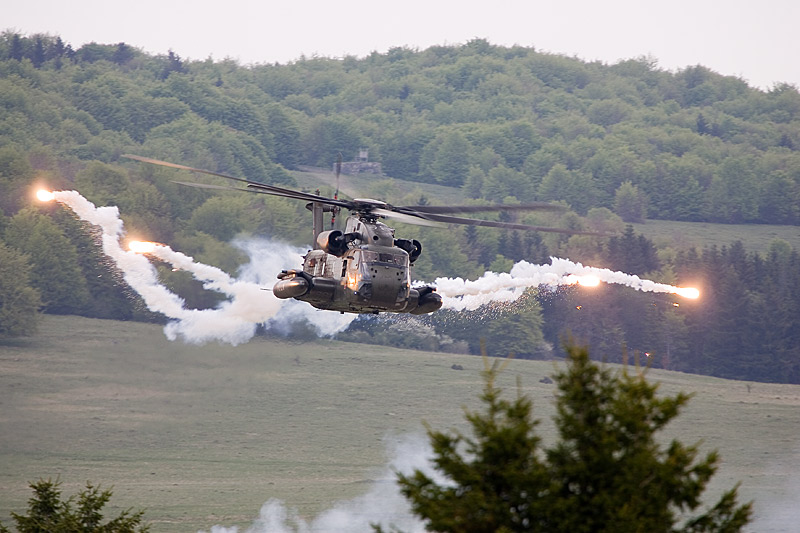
x: 755, y: 237
x: 205, y: 435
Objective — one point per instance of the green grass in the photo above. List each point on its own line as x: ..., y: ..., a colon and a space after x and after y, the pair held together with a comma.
x: 680, y: 235
x: 205, y: 435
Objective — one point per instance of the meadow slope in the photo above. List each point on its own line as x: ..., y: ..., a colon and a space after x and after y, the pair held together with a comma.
x: 204, y: 435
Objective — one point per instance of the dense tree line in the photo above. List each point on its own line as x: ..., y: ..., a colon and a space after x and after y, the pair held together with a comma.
x: 744, y: 326
x: 497, y: 121
x: 613, y: 143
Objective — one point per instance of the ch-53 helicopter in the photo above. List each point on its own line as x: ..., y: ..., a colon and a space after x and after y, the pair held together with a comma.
x: 364, y: 268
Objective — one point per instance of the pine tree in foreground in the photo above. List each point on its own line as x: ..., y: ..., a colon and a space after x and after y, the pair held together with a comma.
x: 48, y: 513
x: 606, y: 473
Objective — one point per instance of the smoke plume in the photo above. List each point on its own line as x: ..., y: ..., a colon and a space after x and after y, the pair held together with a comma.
x: 460, y: 294
x: 235, y: 320
x: 382, y: 504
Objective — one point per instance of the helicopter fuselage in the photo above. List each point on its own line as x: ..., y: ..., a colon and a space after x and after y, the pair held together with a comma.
x: 366, y: 273
x: 364, y: 269
x: 369, y: 279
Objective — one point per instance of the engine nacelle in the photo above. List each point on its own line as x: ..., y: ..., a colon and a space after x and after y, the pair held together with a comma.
x: 294, y: 284
x: 424, y: 300
x: 290, y: 286
x: 413, y: 247
x: 332, y: 242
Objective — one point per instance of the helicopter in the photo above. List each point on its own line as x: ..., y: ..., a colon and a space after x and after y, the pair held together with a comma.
x: 363, y: 268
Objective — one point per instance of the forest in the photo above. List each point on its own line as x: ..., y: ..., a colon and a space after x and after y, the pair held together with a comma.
x: 614, y: 143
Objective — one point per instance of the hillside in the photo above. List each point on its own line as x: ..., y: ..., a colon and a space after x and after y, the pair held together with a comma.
x: 665, y: 233
x: 474, y: 122
x: 201, y: 436
x: 496, y: 121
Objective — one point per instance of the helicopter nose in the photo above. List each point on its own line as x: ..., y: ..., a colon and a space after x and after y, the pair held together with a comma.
x: 385, y: 283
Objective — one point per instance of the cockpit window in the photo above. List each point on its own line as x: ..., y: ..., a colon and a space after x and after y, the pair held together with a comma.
x: 390, y: 258
x: 381, y: 257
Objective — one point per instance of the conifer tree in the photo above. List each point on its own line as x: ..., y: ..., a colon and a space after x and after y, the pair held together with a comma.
x: 496, y: 484
x: 48, y: 513
x: 607, y: 472
x: 38, y: 52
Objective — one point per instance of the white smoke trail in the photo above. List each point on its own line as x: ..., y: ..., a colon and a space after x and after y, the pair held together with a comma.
x: 459, y: 294
x: 381, y: 504
x: 267, y: 259
x: 136, y: 269
x: 235, y: 320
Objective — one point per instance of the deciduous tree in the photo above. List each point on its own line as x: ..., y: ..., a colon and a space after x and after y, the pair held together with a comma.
x: 54, y: 261
x: 19, y: 302
x: 630, y: 203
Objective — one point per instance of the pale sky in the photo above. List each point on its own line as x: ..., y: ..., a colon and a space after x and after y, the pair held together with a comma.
x: 758, y: 41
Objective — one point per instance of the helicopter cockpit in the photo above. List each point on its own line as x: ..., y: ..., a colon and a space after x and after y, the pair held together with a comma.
x: 378, y: 274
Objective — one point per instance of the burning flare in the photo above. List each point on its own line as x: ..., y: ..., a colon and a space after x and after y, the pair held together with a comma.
x: 142, y: 247
x: 43, y: 195
x: 584, y: 281
x: 687, y: 292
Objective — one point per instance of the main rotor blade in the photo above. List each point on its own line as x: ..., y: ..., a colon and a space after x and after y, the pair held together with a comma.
x: 443, y: 209
x: 506, y: 225
x: 408, y: 219
x: 420, y: 214
x: 209, y: 186
x: 240, y: 189
x: 252, y: 186
x: 183, y: 167
x: 298, y: 195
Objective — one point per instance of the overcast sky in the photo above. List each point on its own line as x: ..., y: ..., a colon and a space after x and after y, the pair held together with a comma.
x: 755, y: 40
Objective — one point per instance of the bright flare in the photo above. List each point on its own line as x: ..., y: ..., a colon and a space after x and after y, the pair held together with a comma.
x: 588, y: 281
x: 45, y: 196
x: 687, y: 292
x: 584, y: 281
x: 142, y: 247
